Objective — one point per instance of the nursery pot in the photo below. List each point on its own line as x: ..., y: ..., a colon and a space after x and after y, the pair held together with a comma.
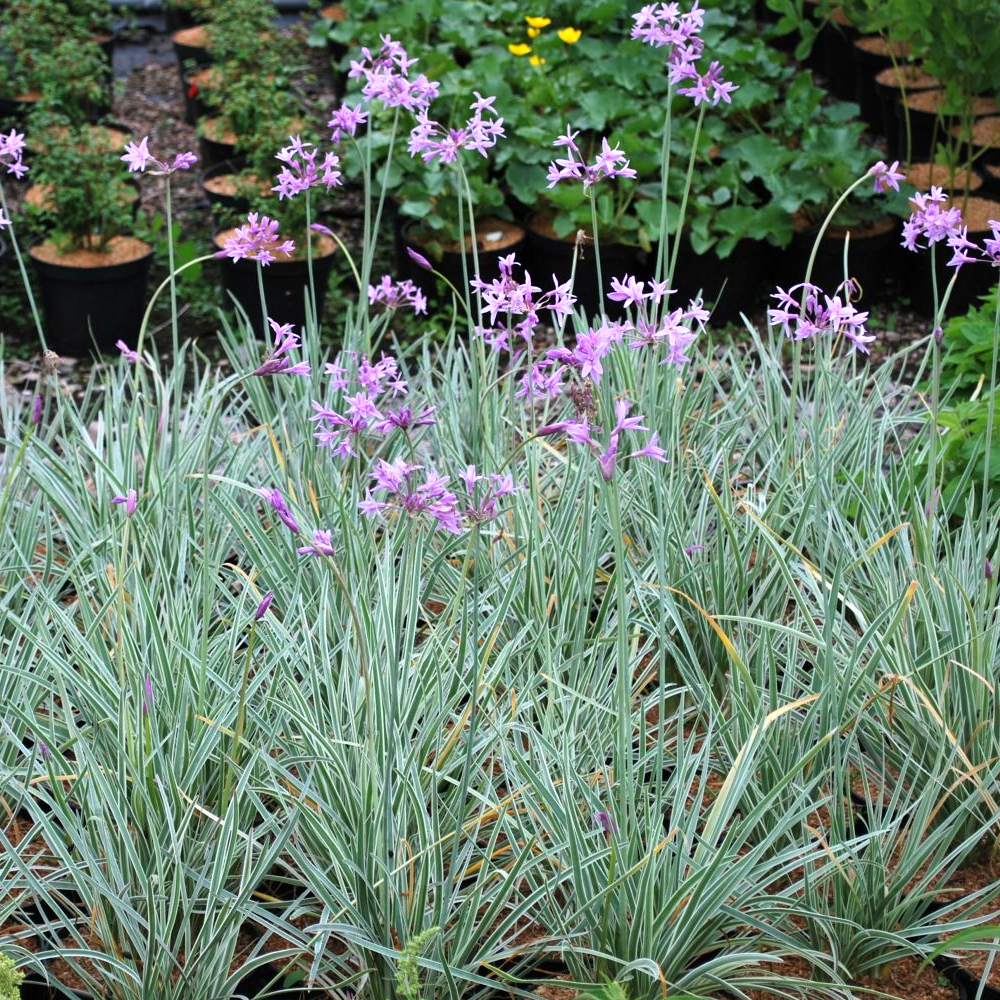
x: 19, y: 106
x: 890, y: 84
x: 336, y: 12
x: 983, y: 145
x: 215, y: 144
x: 218, y: 185
x: 286, y: 283
x: 38, y: 195
x: 728, y: 285
x: 495, y: 238
x: 868, y: 249
x: 973, y: 281
x: 548, y: 254
x: 836, y: 38
x: 927, y: 128
x: 990, y: 173
x: 872, y: 55
x: 195, y: 83
x: 92, y: 298
x: 191, y: 46
x: 177, y: 16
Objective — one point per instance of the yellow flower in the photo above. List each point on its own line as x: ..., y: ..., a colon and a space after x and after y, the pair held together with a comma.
x: 537, y: 61
x: 520, y: 49
x: 569, y: 35
x: 538, y: 22
x: 534, y: 32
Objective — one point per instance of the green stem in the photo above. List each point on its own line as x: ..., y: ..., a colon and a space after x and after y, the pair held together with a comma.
x: 163, y: 284
x: 684, y: 197
x: 990, y: 419
x: 263, y: 298
x: 597, y: 250
x: 24, y: 272
x: 309, y: 256
x: 174, y: 335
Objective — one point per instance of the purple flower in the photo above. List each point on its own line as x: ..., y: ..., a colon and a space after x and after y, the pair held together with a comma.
x: 131, y: 356
x: 387, y: 78
x: 606, y: 822
x: 36, y: 410
x: 930, y: 220
x: 430, y: 140
x: 887, y: 176
x: 991, y: 247
x: 263, y: 606
x: 803, y: 319
x: 12, y: 155
x: 130, y: 499
x: 256, y: 240
x: 322, y: 545
x: 394, y: 295
x: 4, y: 221
x: 627, y: 290
x: 405, y: 493
x: 285, y: 339
x: 346, y: 121
x: 147, y: 695
x: 483, y: 498
x: 43, y: 749
x: 959, y: 243
x: 419, y: 259
x: 138, y: 157
x: 301, y: 172
x: 690, y: 550
x: 277, y: 501
x: 709, y: 87
x: 988, y: 570
x: 609, y: 163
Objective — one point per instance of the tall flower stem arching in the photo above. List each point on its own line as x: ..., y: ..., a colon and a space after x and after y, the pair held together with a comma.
x: 24, y: 272
x: 692, y: 158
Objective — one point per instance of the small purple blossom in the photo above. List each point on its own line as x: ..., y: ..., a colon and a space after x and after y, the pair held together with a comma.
x: 277, y: 501
x: 606, y: 822
x: 138, y: 157
x: 43, y: 749
x: 129, y: 500
x: 393, y: 295
x: 346, y: 121
x: 430, y: 140
x: 263, y: 606
x: 322, y: 545
x: 807, y: 317
x: 147, y: 695
x: 484, y: 492
x: 405, y: 492
x: 300, y: 171
x: 130, y: 356
x: 4, y: 221
x: 285, y: 339
x: 36, y: 410
x: 988, y: 569
x: 257, y: 239
x: 609, y: 163
x: 12, y: 148
x: 419, y: 259
x: 887, y: 177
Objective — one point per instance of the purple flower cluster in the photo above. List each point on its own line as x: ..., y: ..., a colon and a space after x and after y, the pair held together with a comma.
x: 930, y: 219
x: 405, y: 492
x: 366, y: 413
x: 608, y: 163
x: 806, y: 317
x: 12, y: 153
x: 430, y: 140
x: 512, y: 299
x: 387, y: 78
x: 300, y: 170
x: 662, y: 25
x: 482, y: 505
x: 276, y: 363
x: 257, y: 239
x: 138, y: 157
x: 393, y: 295
x: 581, y: 432
x: 346, y: 121
x: 675, y: 331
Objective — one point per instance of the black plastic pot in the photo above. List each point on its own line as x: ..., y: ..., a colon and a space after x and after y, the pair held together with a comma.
x: 15, y: 109
x: 547, y: 256
x: 229, y: 202
x: 728, y: 285
x: 450, y: 264
x: 213, y: 152
x: 177, y: 18
x: 867, y: 65
x: 188, y: 54
x: 88, y: 308
x: 286, y: 287
x: 867, y: 255
x: 991, y: 178
x: 837, y: 43
x: 887, y: 93
x: 195, y: 106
